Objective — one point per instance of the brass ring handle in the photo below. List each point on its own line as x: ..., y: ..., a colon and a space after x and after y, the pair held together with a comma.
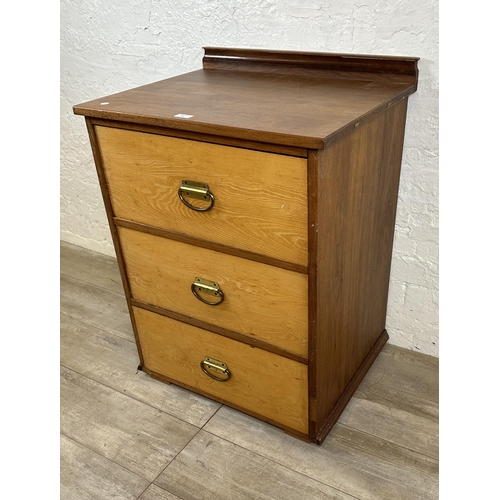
x: 198, y: 191
x: 201, y: 285
x: 214, y: 365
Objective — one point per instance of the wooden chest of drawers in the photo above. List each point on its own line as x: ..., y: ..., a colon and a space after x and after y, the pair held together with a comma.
x: 252, y: 206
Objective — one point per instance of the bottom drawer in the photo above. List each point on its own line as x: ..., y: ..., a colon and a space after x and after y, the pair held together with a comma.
x: 261, y: 382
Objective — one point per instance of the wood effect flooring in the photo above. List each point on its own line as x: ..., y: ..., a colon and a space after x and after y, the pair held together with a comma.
x: 125, y: 435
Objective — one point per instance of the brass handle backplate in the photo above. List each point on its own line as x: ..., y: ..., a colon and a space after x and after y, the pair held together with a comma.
x: 209, y: 365
x: 207, y: 287
x: 198, y: 191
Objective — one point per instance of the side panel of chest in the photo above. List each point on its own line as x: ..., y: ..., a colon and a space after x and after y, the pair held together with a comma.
x: 357, y: 191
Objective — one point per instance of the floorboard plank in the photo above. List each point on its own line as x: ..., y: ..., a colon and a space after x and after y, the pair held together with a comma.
x: 112, y: 361
x: 156, y: 493
x: 395, y: 416
x: 91, y: 267
x: 132, y: 434
x: 356, y: 463
x: 408, y: 371
x: 210, y: 467
x: 95, y: 306
x: 85, y: 475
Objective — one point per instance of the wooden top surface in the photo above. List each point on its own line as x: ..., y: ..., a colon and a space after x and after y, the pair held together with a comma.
x: 274, y: 101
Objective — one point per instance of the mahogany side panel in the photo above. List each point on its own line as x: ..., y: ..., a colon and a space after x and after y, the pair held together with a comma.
x: 358, y: 181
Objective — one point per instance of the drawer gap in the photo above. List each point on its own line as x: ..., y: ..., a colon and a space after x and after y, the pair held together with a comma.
x: 220, y: 331
x: 245, y: 254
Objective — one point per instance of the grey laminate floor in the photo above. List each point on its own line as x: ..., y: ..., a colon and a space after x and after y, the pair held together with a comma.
x: 127, y: 436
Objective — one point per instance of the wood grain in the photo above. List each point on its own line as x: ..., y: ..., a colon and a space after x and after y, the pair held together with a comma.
x: 210, y: 467
x: 132, y: 434
x: 261, y: 301
x: 112, y: 361
x: 211, y: 245
x: 252, y: 341
x: 298, y: 109
x: 358, y: 179
x: 109, y: 214
x: 271, y: 385
x: 196, y: 136
x: 86, y: 475
x: 326, y: 65
x: 260, y: 198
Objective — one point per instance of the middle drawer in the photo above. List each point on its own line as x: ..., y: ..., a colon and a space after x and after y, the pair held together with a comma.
x: 260, y: 301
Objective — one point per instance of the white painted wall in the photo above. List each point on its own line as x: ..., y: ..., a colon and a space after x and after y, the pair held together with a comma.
x: 109, y: 46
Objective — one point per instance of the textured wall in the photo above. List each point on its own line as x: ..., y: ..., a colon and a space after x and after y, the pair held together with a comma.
x: 109, y: 46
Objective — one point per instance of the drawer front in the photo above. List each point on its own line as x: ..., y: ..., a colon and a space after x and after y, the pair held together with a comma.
x: 262, y: 382
x: 260, y: 301
x: 260, y: 198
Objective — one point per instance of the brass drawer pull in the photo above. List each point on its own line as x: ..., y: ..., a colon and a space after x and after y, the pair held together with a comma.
x: 201, y: 285
x: 210, y: 364
x: 198, y: 191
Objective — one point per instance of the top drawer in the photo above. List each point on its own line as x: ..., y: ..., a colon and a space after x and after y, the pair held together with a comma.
x: 260, y: 198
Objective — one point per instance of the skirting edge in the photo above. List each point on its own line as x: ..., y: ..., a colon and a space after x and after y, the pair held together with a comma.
x: 351, y: 388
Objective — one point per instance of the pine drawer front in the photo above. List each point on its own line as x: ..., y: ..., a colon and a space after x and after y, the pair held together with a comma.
x: 261, y: 382
x: 260, y: 301
x: 260, y: 198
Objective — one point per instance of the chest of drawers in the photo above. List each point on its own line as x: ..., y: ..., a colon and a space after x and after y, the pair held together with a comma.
x: 252, y: 206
